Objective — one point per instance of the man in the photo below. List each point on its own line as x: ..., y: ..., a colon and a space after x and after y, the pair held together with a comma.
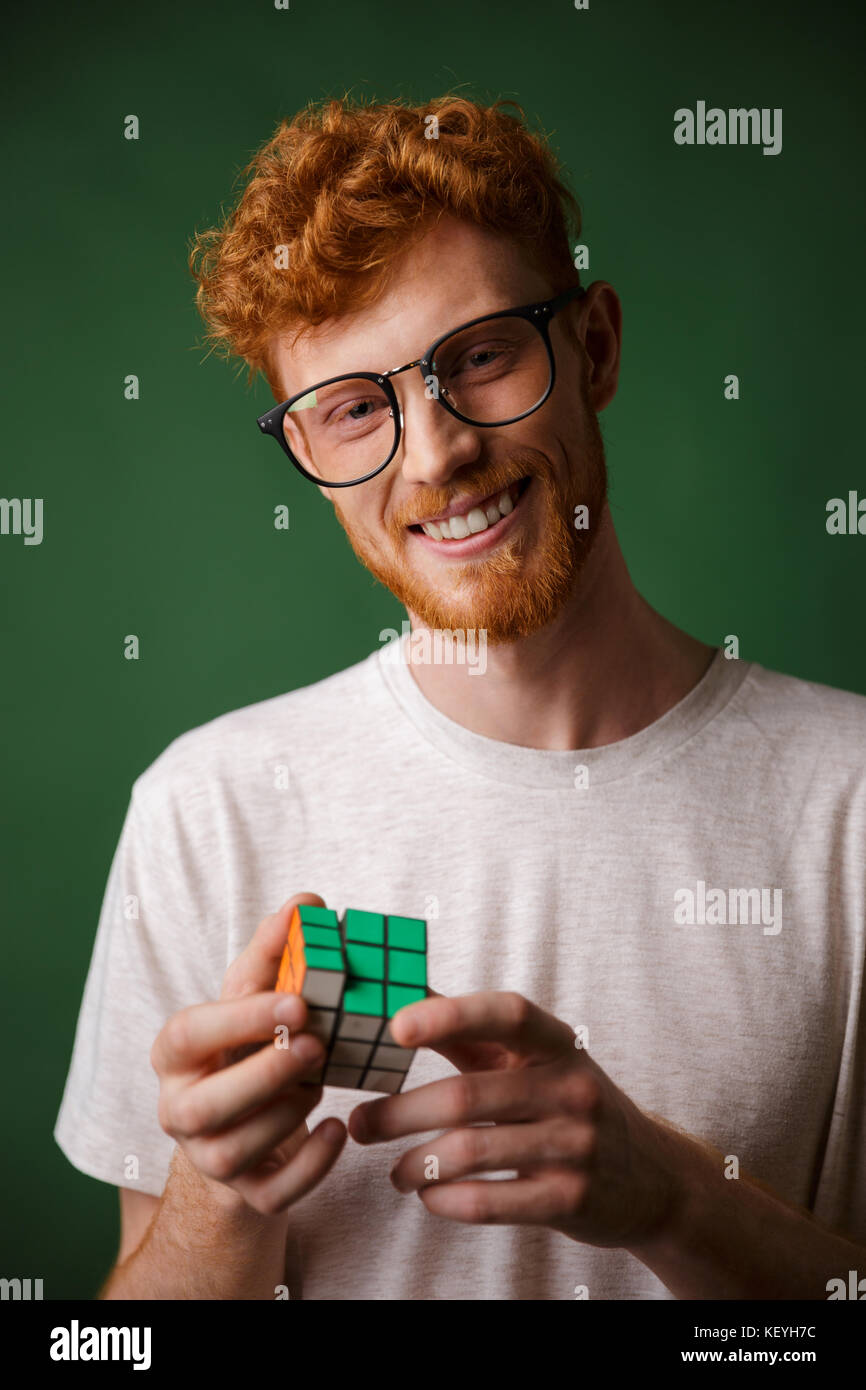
x: 642, y: 863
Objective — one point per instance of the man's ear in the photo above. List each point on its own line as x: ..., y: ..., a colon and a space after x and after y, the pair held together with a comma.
x: 600, y: 330
x: 326, y: 493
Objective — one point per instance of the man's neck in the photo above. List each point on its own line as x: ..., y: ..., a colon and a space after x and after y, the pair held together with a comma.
x: 607, y: 666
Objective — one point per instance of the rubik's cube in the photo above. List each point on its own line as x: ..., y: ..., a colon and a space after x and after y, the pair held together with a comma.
x: 355, y: 973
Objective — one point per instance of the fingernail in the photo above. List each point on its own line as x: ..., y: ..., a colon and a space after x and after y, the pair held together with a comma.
x: 331, y: 1130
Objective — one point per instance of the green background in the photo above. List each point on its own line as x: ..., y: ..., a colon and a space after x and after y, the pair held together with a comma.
x: 158, y: 513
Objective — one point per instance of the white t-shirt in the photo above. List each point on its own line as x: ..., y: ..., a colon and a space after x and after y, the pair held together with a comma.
x: 567, y: 876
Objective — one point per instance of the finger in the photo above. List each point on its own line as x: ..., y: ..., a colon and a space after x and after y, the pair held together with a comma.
x: 271, y: 1192
x: 199, y: 1033
x: 539, y: 1200
x: 258, y: 964
x: 517, y: 1096
x: 223, y: 1097
x: 499, y: 1016
x: 227, y: 1155
x: 489, y: 1148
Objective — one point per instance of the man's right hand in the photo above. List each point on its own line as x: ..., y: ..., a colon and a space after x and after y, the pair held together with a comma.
x: 240, y: 1115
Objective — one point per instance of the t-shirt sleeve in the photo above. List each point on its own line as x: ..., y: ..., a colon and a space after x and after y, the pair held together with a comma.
x: 840, y: 1198
x: 158, y: 949
x: 840, y: 1201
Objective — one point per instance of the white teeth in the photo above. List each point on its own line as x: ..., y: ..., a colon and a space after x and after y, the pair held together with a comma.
x: 457, y: 528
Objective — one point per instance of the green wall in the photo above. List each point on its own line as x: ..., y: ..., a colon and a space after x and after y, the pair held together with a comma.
x: 157, y: 513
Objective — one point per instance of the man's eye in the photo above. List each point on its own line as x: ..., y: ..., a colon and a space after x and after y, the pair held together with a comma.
x: 479, y: 358
x: 351, y: 410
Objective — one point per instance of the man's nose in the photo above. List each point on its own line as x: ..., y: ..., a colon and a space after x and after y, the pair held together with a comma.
x: 433, y: 443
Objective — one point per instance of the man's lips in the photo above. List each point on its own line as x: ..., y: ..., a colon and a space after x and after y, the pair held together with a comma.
x: 479, y: 525
x: 470, y: 515
x: 461, y: 506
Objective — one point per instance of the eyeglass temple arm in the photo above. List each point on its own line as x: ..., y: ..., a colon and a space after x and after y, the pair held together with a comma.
x: 575, y: 292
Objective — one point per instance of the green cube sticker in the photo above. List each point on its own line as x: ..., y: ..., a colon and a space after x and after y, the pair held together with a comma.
x: 365, y: 926
x: 318, y: 958
x: 322, y: 936
x: 401, y: 995
x: 407, y: 967
x: 363, y: 997
x: 317, y: 916
x: 407, y: 933
x: 366, y: 961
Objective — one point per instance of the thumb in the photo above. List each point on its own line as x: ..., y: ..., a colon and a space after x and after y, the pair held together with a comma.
x: 257, y: 967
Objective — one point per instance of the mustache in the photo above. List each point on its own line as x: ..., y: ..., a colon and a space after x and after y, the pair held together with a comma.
x: 489, y: 479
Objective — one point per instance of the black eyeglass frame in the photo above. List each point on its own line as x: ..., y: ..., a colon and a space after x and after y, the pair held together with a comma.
x: 539, y: 315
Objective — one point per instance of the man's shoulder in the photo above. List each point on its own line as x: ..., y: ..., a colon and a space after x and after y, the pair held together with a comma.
x: 805, y: 714
x: 248, y: 740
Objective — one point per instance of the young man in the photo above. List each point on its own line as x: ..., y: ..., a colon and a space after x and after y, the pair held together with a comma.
x: 642, y: 864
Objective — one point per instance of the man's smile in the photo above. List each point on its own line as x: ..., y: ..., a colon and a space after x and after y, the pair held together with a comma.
x: 471, y: 524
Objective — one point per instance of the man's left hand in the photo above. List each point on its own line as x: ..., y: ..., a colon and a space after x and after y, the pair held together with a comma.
x: 589, y: 1163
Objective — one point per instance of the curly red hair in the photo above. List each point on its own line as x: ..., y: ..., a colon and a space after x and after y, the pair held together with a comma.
x: 345, y: 187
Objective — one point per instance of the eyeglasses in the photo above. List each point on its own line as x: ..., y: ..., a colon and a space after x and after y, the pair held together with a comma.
x: 491, y: 371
